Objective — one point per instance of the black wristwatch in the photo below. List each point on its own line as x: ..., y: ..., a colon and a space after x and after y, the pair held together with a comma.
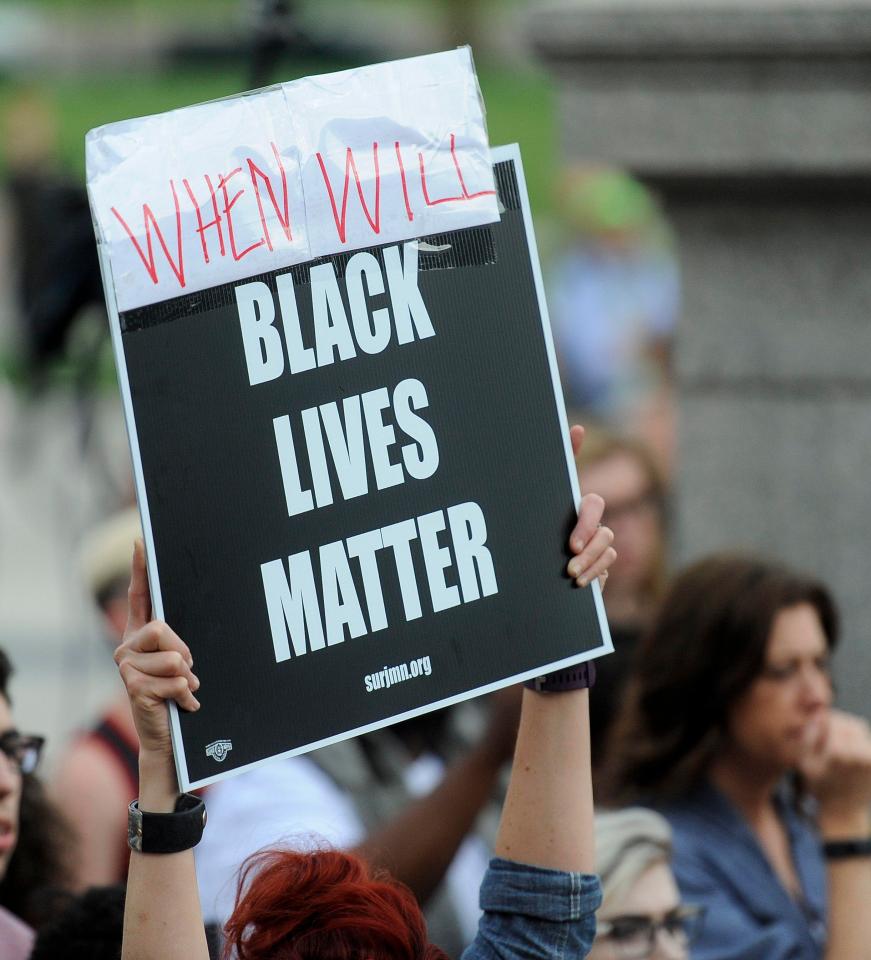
x: 167, y: 832
x: 578, y: 677
x: 846, y: 849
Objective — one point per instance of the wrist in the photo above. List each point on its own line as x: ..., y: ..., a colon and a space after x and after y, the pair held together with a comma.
x: 158, y: 786
x: 578, y: 677
x: 166, y: 832
x: 844, y: 825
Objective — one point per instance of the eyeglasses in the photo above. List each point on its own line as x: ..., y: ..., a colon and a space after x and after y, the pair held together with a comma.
x: 634, y: 937
x: 21, y: 751
x: 642, y: 503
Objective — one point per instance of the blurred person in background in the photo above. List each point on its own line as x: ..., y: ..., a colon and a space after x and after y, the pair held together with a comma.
x: 623, y: 471
x: 641, y: 917
x: 32, y: 833
x: 83, y: 927
x: 614, y: 297
x: 90, y: 926
x: 728, y: 730
x: 98, y: 773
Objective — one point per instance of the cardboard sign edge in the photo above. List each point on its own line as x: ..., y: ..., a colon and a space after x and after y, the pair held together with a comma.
x: 509, y: 152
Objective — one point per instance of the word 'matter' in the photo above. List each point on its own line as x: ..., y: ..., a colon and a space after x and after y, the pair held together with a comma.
x: 307, y: 618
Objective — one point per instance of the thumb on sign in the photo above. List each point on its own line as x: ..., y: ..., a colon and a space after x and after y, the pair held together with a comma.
x: 155, y: 666
x: 138, y: 595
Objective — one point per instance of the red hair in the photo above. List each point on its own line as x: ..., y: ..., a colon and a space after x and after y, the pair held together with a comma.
x: 325, y: 905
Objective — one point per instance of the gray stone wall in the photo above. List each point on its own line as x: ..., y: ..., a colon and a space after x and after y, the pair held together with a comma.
x: 754, y: 123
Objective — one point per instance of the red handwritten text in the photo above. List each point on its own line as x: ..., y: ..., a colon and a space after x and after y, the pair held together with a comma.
x: 221, y: 213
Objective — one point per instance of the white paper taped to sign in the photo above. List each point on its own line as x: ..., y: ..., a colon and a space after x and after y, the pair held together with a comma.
x: 216, y: 192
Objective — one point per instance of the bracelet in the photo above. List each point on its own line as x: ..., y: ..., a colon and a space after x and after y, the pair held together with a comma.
x: 847, y: 849
x: 167, y: 832
x: 578, y: 677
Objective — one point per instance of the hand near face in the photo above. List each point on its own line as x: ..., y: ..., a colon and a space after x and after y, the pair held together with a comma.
x: 155, y: 665
x: 838, y: 772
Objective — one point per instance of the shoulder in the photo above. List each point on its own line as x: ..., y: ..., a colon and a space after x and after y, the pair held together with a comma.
x: 17, y: 938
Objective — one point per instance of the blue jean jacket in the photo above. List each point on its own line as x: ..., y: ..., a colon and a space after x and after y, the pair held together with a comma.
x: 531, y: 913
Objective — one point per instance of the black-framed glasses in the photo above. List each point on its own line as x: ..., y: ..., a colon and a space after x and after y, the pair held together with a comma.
x: 21, y: 750
x: 634, y: 936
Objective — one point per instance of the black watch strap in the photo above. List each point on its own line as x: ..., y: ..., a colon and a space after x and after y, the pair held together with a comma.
x: 845, y: 849
x: 167, y: 832
x: 578, y: 677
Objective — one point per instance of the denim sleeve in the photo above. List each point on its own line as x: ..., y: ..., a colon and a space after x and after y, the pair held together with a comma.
x: 531, y: 912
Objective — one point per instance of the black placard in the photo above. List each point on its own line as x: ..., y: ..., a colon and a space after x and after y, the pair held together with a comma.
x: 211, y: 487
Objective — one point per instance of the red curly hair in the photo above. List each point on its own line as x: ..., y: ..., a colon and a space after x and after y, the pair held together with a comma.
x: 325, y: 905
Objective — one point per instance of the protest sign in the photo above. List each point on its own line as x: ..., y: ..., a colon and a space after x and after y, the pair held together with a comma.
x: 350, y: 452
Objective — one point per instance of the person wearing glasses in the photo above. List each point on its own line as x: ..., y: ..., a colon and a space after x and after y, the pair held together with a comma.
x: 19, y: 756
x: 641, y: 917
x: 728, y: 729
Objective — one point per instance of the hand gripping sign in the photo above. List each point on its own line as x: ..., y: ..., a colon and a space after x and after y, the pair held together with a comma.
x: 346, y: 425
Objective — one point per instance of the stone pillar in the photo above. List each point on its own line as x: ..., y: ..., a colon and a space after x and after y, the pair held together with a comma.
x: 753, y: 122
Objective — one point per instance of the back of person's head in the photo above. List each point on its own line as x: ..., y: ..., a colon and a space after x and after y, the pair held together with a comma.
x: 628, y: 843
x: 104, y: 560
x: 704, y: 648
x: 85, y: 927
x: 324, y: 905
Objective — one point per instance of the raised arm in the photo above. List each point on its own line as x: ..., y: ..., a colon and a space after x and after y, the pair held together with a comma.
x: 547, y: 820
x: 162, y: 919
x: 540, y: 897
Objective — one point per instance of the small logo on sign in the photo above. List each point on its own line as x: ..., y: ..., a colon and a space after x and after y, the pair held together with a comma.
x: 219, y: 750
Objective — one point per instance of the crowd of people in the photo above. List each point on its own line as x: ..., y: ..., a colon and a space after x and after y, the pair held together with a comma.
x: 705, y: 799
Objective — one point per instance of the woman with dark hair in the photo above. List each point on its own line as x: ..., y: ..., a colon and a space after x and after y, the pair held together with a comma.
x: 728, y: 730
x: 538, y: 896
x: 31, y: 833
